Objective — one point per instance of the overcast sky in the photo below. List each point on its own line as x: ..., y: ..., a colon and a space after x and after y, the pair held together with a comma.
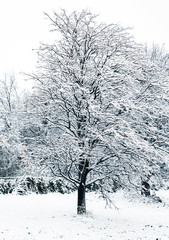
x: 23, y: 26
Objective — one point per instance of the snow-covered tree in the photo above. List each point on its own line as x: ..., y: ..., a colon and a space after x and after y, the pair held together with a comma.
x: 95, y: 89
x: 11, y: 149
x: 160, y: 118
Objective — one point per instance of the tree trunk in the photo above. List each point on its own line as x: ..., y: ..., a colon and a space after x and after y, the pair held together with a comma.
x: 81, y: 204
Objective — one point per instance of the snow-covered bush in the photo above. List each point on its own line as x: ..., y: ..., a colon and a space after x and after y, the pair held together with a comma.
x: 6, y: 187
x: 39, y: 185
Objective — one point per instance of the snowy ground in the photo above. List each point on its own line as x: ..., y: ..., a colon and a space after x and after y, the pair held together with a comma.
x: 53, y: 216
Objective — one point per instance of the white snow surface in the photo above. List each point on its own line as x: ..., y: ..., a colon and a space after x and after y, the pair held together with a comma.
x: 53, y: 216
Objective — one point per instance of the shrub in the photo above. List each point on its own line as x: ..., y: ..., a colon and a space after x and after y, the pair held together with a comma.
x: 23, y: 186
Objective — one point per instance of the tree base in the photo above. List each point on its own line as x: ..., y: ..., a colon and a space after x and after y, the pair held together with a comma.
x: 81, y: 204
x: 81, y: 210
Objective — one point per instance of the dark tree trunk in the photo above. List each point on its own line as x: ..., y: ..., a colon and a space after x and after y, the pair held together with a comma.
x: 83, y: 164
x: 83, y: 171
x: 81, y: 203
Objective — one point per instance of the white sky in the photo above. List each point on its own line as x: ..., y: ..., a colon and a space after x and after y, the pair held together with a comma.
x: 22, y: 25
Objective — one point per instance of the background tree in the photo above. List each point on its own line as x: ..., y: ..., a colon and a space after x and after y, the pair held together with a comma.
x: 95, y: 87
x: 11, y: 149
x: 159, y: 117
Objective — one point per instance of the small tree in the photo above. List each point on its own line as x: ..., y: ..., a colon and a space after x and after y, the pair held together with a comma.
x: 94, y: 87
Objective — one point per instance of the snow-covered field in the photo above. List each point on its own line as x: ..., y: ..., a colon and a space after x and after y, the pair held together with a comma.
x: 53, y: 216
